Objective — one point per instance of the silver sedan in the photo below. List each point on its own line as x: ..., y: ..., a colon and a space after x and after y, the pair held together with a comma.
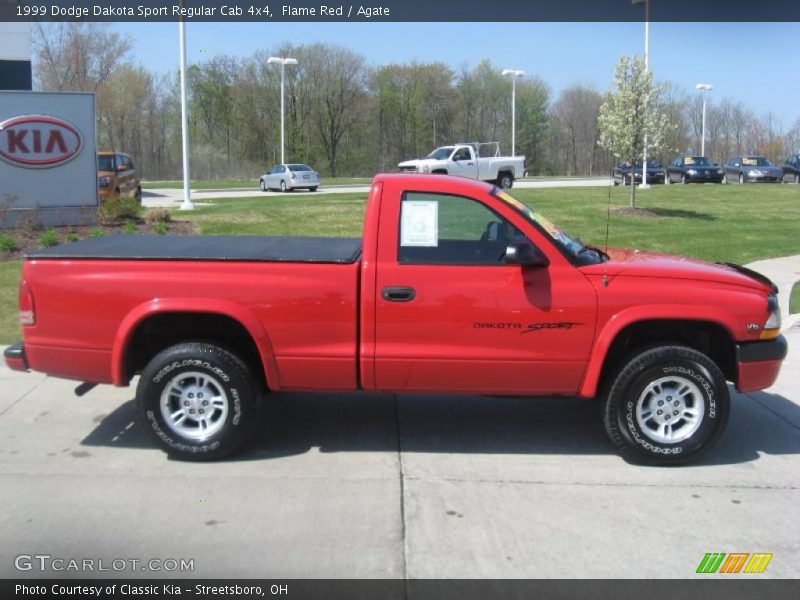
x: 290, y: 177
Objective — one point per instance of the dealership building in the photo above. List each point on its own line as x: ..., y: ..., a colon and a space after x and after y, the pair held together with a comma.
x: 15, y: 56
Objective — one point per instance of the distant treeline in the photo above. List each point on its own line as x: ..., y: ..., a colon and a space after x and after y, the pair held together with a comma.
x: 346, y: 117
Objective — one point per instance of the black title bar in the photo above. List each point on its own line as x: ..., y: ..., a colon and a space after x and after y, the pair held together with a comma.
x: 400, y: 10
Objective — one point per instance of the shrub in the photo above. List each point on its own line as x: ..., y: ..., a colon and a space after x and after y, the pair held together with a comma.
x: 159, y: 215
x: 116, y: 208
x: 72, y: 237
x: 161, y: 228
x: 130, y: 228
x: 7, y: 243
x: 48, y: 238
x: 97, y: 233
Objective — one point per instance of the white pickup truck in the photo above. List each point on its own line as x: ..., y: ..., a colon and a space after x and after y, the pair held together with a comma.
x: 473, y: 160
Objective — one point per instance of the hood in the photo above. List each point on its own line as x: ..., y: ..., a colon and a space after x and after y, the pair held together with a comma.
x: 703, y: 168
x: 634, y: 263
x: 410, y: 163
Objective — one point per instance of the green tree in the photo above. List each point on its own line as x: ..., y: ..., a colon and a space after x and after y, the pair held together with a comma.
x: 630, y: 111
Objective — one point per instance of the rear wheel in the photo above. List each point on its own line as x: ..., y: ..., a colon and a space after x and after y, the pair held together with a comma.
x: 312, y: 189
x: 666, y: 405
x: 283, y: 186
x: 683, y: 179
x: 263, y: 185
x: 505, y: 180
x: 198, y: 401
x: 741, y: 177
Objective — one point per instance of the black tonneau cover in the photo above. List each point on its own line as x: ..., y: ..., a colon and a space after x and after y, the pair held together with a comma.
x: 211, y: 248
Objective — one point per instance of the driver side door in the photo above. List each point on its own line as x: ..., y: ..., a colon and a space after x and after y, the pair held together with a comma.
x: 451, y: 315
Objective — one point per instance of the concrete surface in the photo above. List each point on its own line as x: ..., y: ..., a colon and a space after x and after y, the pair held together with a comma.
x: 372, y: 486
x: 155, y: 197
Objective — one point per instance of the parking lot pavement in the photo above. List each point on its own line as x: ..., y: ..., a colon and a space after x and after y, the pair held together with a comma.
x: 158, y: 197
x: 370, y: 485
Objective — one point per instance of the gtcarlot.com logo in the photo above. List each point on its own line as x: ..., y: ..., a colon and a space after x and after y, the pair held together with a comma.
x: 47, y: 562
x: 735, y: 562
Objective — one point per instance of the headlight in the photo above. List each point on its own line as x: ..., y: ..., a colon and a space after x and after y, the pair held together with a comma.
x: 691, y: 172
x: 719, y: 171
x: 104, y: 181
x: 754, y: 173
x: 772, y: 327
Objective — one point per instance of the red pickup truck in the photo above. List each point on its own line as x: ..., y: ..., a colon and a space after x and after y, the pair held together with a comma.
x: 455, y: 287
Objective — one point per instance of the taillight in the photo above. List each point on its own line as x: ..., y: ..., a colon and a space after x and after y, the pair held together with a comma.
x: 27, y: 313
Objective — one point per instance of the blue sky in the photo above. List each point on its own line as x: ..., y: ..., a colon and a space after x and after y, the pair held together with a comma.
x: 755, y: 63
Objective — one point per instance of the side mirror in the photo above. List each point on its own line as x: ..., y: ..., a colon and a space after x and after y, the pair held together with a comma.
x: 122, y: 168
x: 525, y: 254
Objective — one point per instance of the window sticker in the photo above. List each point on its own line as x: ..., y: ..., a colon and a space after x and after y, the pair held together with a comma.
x: 750, y: 162
x: 688, y: 160
x: 419, y: 223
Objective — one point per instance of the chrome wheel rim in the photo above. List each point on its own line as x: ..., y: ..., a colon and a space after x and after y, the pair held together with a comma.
x: 670, y: 410
x: 194, y: 405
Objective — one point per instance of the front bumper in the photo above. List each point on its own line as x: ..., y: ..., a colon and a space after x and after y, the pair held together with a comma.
x: 759, y: 363
x: 15, y: 357
x: 703, y: 178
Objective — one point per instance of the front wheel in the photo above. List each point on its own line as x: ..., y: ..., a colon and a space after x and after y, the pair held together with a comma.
x: 198, y: 401
x: 312, y: 189
x: 283, y: 186
x: 666, y: 405
x: 797, y: 178
x: 263, y: 186
x: 741, y: 177
x: 683, y: 179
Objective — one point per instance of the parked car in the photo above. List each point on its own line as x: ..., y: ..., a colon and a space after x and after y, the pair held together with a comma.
x: 791, y: 169
x: 456, y: 286
x: 117, y: 176
x: 288, y: 177
x: 748, y: 168
x: 473, y: 160
x: 622, y: 173
x: 688, y: 169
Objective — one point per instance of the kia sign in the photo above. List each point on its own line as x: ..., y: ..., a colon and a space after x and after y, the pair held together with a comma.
x: 38, y: 141
x: 48, y: 159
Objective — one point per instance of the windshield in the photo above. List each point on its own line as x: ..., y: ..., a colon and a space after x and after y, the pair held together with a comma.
x: 756, y: 161
x: 105, y: 162
x: 699, y: 161
x: 299, y: 168
x: 572, y: 246
x: 441, y: 153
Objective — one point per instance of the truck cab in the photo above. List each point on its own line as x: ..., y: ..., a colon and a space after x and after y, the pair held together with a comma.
x: 472, y: 160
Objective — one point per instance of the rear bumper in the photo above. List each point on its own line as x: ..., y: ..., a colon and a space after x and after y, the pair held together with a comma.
x: 15, y: 357
x: 302, y: 183
x: 759, y: 363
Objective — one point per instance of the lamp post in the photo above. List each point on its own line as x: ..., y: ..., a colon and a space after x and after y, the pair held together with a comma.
x: 282, y: 62
x: 187, y: 192
x: 514, y: 74
x: 646, y: 69
x: 703, y: 87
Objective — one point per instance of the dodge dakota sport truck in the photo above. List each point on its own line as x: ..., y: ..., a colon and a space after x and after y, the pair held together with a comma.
x: 473, y: 160
x: 455, y: 287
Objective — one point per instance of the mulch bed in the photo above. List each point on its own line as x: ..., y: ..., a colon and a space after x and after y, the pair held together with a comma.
x: 28, y: 239
x: 635, y: 212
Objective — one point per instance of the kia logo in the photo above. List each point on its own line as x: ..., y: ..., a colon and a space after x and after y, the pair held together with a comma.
x: 38, y: 141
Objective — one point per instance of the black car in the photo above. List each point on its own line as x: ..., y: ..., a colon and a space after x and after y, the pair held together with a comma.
x: 791, y: 169
x: 688, y: 169
x: 622, y: 173
x: 749, y: 168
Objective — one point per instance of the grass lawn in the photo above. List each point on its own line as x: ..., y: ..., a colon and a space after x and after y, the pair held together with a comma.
x: 718, y: 223
x: 794, y: 299
x: 225, y: 184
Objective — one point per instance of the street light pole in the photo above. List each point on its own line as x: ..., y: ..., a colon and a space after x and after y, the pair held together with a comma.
x: 514, y: 74
x: 703, y: 87
x: 283, y: 62
x: 187, y: 192
x: 646, y: 70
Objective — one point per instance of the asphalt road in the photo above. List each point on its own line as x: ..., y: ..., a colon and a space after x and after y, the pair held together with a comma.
x: 376, y: 486
x: 153, y: 197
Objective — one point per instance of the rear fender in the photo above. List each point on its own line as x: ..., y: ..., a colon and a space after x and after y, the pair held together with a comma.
x: 192, y: 305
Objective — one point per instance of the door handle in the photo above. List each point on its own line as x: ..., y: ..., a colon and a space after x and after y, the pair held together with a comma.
x: 398, y: 294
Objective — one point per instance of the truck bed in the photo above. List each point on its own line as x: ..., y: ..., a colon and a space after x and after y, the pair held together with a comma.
x: 208, y: 248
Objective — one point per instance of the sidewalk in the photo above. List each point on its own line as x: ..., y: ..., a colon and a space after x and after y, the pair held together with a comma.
x: 784, y: 272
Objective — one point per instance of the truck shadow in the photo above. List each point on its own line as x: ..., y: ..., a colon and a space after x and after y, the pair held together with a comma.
x: 292, y: 424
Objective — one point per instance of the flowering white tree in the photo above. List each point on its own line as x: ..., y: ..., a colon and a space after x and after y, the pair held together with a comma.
x: 630, y: 111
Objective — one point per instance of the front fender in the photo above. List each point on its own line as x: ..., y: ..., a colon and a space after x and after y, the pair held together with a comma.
x: 636, y: 314
x: 192, y: 305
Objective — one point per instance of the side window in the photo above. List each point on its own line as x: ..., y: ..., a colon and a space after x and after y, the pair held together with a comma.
x: 439, y: 229
x: 462, y: 154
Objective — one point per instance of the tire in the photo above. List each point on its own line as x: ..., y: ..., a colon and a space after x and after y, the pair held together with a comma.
x: 283, y: 186
x: 312, y: 189
x: 683, y: 179
x: 116, y: 192
x: 741, y: 178
x: 190, y: 370
x: 505, y: 180
x: 660, y: 374
x: 724, y: 179
x: 667, y: 179
x: 138, y: 194
x: 797, y: 178
x: 262, y: 185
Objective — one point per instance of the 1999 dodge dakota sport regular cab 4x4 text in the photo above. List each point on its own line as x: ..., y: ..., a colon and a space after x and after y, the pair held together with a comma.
x: 455, y: 287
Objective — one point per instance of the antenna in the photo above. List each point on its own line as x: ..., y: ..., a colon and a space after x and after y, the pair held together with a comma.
x: 608, y: 221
